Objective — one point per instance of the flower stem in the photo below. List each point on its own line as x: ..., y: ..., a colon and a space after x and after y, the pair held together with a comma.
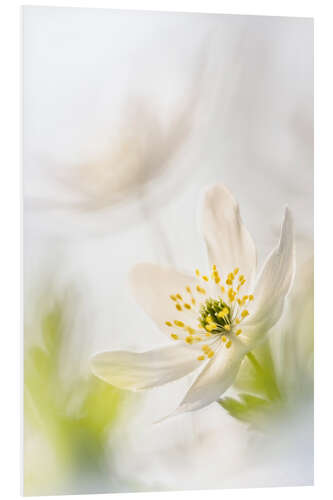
x: 269, y: 380
x: 254, y: 361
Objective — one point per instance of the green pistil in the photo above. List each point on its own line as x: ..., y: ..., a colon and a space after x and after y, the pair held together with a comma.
x: 210, y: 310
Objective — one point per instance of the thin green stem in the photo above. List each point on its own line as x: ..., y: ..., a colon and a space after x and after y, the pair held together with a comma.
x: 254, y: 361
x: 269, y: 383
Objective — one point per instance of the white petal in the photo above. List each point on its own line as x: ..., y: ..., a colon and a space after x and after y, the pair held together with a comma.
x: 229, y: 244
x: 138, y: 371
x: 152, y: 286
x: 273, y: 284
x: 216, y: 377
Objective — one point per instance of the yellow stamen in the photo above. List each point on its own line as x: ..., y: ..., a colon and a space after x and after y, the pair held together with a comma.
x: 179, y: 296
x: 190, y: 330
x: 228, y: 344
x: 189, y: 340
x: 197, y: 272
x: 227, y: 327
x: 211, y: 326
x: 244, y: 313
x: 223, y: 338
x: 174, y: 336
x: 179, y: 307
x: 188, y: 289
x: 231, y: 294
x: 187, y: 306
x: 178, y: 323
x: 168, y: 323
x: 205, y: 278
x: 200, y: 358
x: 215, y: 275
x: 236, y: 270
x: 251, y: 297
x: 173, y: 297
x: 210, y: 354
x: 238, y: 332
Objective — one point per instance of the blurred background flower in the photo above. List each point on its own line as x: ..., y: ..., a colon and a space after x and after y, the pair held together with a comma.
x: 181, y: 101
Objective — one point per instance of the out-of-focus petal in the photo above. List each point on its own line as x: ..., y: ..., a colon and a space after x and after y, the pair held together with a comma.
x: 138, y: 371
x: 152, y: 286
x: 229, y: 244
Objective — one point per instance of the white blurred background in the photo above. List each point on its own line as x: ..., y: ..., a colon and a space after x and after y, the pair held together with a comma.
x: 127, y: 116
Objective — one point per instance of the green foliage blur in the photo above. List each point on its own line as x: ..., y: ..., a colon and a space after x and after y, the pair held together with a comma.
x: 66, y: 429
x: 259, y: 395
x: 277, y: 377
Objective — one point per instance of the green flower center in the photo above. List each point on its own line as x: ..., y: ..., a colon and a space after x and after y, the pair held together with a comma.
x: 215, y: 316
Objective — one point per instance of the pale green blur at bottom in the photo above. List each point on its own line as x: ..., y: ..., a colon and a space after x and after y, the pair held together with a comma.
x: 66, y: 429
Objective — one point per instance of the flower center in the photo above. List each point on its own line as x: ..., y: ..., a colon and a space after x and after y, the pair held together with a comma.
x: 215, y: 316
x: 218, y: 316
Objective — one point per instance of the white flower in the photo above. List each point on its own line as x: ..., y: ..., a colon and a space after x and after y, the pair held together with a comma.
x: 212, y: 320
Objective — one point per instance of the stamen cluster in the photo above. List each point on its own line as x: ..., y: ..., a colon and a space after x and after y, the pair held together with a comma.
x: 219, y: 317
x: 215, y: 315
